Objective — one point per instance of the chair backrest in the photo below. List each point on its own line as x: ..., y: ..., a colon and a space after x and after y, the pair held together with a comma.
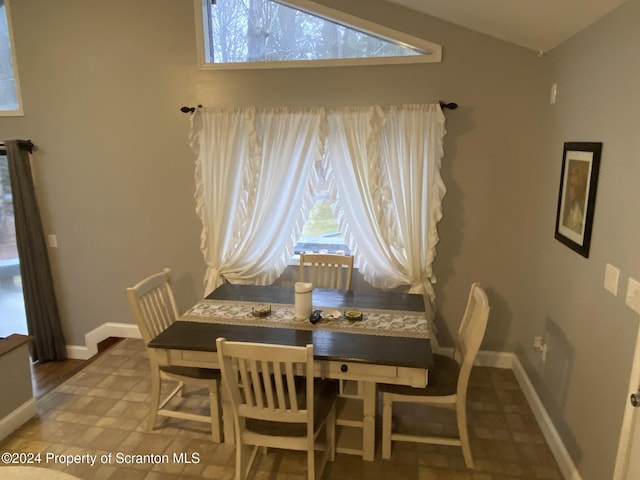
x: 471, y: 332
x: 261, y: 384
x: 153, y: 305
x: 327, y: 270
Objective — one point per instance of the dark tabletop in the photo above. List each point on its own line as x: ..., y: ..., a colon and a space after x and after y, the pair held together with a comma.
x: 336, y: 346
x: 321, y: 297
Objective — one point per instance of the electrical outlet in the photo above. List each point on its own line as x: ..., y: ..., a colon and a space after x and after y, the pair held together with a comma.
x: 543, y: 353
x: 633, y: 295
x: 53, y: 241
x: 540, y: 346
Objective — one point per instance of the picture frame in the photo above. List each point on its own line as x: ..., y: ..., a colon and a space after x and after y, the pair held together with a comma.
x: 577, y: 195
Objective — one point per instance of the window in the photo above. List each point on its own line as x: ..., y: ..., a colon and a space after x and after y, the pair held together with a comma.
x: 321, y: 233
x: 270, y: 34
x: 12, y: 314
x: 10, y: 103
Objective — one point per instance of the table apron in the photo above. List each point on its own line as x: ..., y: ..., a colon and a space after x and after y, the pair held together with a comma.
x: 367, y: 372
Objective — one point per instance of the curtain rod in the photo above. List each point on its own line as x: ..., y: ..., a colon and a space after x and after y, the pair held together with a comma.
x: 443, y: 105
x: 26, y: 144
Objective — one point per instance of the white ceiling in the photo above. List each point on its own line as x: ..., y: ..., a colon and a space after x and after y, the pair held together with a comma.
x: 538, y: 25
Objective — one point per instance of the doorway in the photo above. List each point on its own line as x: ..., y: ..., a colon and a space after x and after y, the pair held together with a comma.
x: 12, y: 314
x: 628, y: 460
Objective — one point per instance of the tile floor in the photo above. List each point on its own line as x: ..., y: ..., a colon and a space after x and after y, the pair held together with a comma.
x: 101, y: 411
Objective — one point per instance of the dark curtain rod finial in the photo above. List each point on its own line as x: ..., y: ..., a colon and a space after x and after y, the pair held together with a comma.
x: 189, y: 109
x: 23, y: 144
x: 27, y: 145
x: 450, y: 106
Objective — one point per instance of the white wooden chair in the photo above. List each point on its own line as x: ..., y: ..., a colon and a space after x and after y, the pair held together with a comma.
x: 448, y: 381
x: 326, y: 270
x: 272, y: 407
x: 154, y: 309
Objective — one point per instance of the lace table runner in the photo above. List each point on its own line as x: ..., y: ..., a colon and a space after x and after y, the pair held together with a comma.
x: 392, y: 323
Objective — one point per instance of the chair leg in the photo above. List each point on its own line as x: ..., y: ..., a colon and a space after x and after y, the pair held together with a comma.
x: 227, y: 418
x: 311, y: 463
x: 241, y: 462
x: 387, y: 408
x: 245, y: 457
x: 155, y: 398
x: 463, y: 430
x: 214, y: 407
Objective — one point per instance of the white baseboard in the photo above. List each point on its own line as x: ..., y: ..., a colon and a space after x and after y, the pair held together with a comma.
x: 95, y: 336
x: 495, y: 359
x: 485, y: 358
x: 565, y: 463
x: 21, y: 415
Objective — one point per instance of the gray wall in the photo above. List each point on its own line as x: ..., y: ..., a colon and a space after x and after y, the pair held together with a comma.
x: 102, y: 86
x: 591, y: 333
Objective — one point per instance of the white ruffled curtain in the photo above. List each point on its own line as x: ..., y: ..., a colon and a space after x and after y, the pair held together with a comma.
x: 253, y: 188
x: 249, y: 193
x: 386, y: 169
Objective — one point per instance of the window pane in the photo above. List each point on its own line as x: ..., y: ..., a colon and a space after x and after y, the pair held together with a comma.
x: 321, y: 233
x: 8, y: 94
x: 265, y: 31
x: 12, y: 314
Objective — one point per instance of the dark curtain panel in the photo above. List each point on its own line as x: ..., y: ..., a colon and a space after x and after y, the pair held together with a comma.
x: 43, y: 319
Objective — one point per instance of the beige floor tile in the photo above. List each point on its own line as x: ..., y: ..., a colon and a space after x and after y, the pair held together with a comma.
x: 103, y: 411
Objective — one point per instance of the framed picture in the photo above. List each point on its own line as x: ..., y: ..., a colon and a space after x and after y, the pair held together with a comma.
x: 576, y: 200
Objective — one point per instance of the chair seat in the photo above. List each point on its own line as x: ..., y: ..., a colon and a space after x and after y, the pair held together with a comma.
x: 443, y: 380
x: 325, y: 392
x: 193, y: 372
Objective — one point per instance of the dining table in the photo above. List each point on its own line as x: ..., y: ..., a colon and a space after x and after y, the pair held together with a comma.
x: 388, y: 343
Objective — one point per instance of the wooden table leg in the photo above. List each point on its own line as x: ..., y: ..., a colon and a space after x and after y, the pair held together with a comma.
x: 369, y: 421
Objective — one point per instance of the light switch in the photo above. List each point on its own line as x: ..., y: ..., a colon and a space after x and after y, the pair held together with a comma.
x: 611, y: 277
x: 554, y: 93
x: 633, y: 295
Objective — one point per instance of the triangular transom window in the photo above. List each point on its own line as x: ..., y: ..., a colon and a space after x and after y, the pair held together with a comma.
x: 268, y: 34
